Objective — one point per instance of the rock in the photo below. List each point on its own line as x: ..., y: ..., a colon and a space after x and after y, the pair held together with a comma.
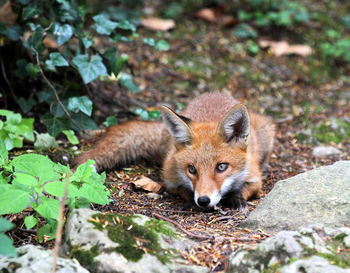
x: 320, y: 196
x: 314, y: 249
x: 35, y: 259
x: 322, y: 151
x: 115, y: 243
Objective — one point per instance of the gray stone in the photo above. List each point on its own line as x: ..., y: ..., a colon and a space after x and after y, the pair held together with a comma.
x: 322, y: 151
x: 106, y: 253
x: 289, y: 251
x: 315, y: 264
x: 320, y: 196
x: 35, y: 259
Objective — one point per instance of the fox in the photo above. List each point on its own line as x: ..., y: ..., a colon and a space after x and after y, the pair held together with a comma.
x: 212, y: 152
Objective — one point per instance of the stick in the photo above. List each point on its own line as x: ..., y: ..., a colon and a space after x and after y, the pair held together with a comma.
x: 60, y: 225
x: 202, y: 237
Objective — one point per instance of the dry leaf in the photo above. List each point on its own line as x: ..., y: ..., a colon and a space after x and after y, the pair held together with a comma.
x: 7, y: 16
x: 156, y: 24
x: 50, y: 43
x: 147, y: 184
x: 216, y: 16
x: 284, y: 48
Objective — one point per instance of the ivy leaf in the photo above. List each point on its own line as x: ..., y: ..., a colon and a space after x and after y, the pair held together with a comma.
x: 26, y: 105
x: 30, y: 221
x: 55, y: 125
x: 56, y: 59
x: 83, y: 104
x: 126, y: 25
x: 71, y: 136
x: 31, y: 11
x: 84, y: 122
x: 127, y: 82
x: 104, y: 25
x: 87, y: 42
x: 90, y: 69
x: 13, y: 32
x: 62, y: 33
x: 111, y: 120
x: 162, y: 45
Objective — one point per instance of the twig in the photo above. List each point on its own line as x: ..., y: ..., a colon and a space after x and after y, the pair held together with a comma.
x: 6, y: 79
x: 197, y: 236
x: 54, y: 89
x: 60, y: 225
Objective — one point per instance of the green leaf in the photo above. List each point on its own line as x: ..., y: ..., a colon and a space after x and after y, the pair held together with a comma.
x: 114, y: 63
x: 13, y: 32
x: 5, y: 225
x: 6, y: 247
x: 85, y: 123
x: 48, y: 97
x: 126, y: 25
x: 56, y: 188
x: 45, y: 141
x: 71, y: 136
x: 111, y: 120
x: 162, y: 45
x: 48, y: 230
x: 94, y: 194
x: 56, y: 59
x: 25, y: 179
x: 30, y: 221
x: 38, y: 166
x: 32, y: 70
x: 56, y: 125
x: 127, y: 82
x: 26, y: 105
x: 87, y: 42
x: 63, y: 33
x: 48, y: 208
x: 3, y: 154
x: 83, y: 172
x: 31, y: 11
x: 104, y: 25
x: 143, y: 114
x: 90, y: 69
x: 149, y: 41
x: 13, y: 201
x: 83, y: 104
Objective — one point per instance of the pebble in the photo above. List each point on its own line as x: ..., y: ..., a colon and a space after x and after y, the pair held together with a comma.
x: 321, y: 151
x: 153, y: 195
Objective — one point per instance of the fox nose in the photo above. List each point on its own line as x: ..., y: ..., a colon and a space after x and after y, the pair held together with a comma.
x: 203, y: 201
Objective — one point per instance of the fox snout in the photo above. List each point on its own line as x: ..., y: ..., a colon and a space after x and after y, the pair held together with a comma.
x: 205, y: 201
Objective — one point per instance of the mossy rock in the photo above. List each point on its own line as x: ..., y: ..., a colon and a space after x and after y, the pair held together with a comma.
x: 116, y: 243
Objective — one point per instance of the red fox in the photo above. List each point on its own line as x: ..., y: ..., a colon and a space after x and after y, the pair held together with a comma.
x: 212, y: 152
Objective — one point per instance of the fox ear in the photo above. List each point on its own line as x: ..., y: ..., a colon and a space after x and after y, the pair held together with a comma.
x: 236, y: 124
x: 178, y: 126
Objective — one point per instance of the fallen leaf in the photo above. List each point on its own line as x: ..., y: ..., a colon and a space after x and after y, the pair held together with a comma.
x: 147, y: 184
x: 158, y: 24
x: 216, y: 16
x: 284, y: 48
x: 7, y: 16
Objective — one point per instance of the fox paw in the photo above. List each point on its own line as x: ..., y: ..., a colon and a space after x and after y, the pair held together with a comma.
x: 235, y: 201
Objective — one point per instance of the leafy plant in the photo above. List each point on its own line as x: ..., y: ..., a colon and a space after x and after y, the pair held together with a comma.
x: 6, y: 245
x: 14, y: 129
x: 34, y: 181
x: 147, y: 114
x: 59, y: 48
x: 337, y: 48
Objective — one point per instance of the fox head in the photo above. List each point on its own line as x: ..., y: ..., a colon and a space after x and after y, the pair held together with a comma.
x: 210, y: 157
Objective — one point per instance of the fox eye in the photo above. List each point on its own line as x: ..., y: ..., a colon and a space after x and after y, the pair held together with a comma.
x: 221, y: 167
x: 192, y: 169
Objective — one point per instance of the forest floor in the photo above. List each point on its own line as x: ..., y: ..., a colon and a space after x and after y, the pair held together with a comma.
x: 308, y: 110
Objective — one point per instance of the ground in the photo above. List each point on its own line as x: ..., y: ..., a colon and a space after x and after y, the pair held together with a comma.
x: 303, y: 104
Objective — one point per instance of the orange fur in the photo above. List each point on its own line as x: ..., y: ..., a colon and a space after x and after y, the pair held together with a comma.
x: 214, y: 129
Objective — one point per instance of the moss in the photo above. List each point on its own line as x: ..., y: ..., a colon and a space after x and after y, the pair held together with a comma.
x: 135, y: 240
x: 85, y: 257
x: 273, y: 268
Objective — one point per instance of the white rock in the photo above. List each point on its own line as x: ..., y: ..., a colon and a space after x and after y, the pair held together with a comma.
x: 322, y: 151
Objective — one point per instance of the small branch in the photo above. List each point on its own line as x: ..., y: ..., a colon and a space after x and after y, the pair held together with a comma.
x: 197, y: 236
x: 54, y: 90
x: 60, y: 225
x: 6, y: 79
